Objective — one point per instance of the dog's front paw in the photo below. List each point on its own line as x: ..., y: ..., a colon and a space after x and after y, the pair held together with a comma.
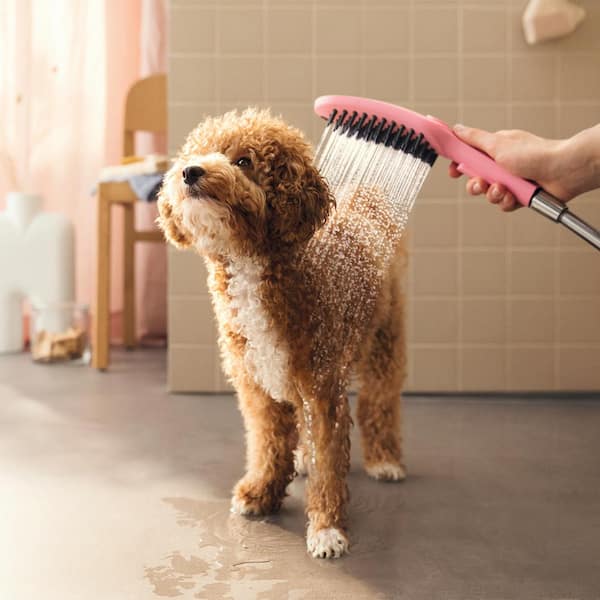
x: 255, y: 498
x: 241, y: 506
x: 386, y: 471
x: 326, y: 543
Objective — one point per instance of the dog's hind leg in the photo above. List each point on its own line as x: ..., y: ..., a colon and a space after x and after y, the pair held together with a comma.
x: 328, y: 453
x: 381, y: 372
x: 271, y: 437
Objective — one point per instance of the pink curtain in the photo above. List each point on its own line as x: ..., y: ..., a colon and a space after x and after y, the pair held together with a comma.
x: 65, y: 68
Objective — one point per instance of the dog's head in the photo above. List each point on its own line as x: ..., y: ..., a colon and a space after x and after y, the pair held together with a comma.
x: 243, y: 183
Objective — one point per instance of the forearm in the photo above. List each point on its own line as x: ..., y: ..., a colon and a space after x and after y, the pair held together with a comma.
x: 578, y: 161
x: 588, y: 142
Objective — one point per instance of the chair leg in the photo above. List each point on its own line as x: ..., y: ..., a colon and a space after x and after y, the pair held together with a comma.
x: 102, y: 318
x: 129, y: 276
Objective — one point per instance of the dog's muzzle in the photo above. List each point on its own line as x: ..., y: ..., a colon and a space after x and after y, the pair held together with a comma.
x: 192, y: 174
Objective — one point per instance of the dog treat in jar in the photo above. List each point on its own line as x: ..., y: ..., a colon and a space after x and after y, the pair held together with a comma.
x: 59, y: 333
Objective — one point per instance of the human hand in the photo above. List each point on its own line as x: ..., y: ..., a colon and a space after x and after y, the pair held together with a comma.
x: 523, y: 154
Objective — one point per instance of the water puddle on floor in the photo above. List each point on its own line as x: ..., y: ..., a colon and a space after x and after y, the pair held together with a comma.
x: 232, y: 556
x: 214, y: 554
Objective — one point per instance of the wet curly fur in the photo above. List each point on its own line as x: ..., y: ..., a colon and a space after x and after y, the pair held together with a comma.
x: 253, y: 215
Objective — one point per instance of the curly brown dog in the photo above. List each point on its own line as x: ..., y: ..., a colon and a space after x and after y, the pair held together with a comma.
x: 244, y: 192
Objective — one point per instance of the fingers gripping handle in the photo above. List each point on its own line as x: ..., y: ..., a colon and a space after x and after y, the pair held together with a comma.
x: 474, y: 163
x: 521, y: 189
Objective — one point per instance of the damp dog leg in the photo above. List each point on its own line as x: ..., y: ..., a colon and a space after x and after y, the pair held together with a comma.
x: 328, y: 466
x: 271, y: 437
x: 381, y: 371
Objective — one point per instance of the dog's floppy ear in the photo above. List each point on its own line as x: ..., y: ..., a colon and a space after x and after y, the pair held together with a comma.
x: 170, y: 223
x: 301, y: 200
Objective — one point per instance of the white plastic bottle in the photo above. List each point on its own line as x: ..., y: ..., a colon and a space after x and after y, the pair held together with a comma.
x: 37, y: 263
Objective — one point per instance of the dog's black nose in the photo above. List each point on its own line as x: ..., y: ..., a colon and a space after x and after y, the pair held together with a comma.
x: 192, y: 174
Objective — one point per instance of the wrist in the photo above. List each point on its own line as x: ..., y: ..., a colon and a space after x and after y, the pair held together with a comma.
x: 593, y: 141
x: 582, y: 156
x: 554, y: 159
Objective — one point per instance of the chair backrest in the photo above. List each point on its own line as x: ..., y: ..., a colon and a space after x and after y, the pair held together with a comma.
x: 145, y: 109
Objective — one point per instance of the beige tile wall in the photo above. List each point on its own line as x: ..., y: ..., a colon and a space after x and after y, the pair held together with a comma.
x: 496, y: 302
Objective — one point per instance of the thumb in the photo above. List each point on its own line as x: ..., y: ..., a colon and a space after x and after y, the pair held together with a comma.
x: 479, y: 138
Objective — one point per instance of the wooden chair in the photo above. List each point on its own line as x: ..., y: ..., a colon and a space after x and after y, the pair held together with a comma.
x: 145, y: 110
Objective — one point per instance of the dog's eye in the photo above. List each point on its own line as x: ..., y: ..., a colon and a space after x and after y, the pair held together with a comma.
x: 244, y: 161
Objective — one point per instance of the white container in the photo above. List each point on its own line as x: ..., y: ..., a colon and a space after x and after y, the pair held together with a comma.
x: 37, y: 263
x: 59, y: 332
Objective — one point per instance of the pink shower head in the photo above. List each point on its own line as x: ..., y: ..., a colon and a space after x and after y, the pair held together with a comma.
x: 440, y: 137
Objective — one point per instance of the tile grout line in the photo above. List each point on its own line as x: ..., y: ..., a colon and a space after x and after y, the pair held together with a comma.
x: 216, y: 56
x: 460, y: 358
x: 522, y: 297
x: 265, y: 66
x: 363, y: 61
x: 410, y: 241
x: 439, y: 345
x: 396, y: 55
x: 218, y: 99
x: 508, y: 231
x: 557, y: 245
x: 169, y: 257
x: 315, y: 133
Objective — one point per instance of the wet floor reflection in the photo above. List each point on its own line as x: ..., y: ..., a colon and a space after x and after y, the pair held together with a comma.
x: 240, y: 558
x: 233, y: 554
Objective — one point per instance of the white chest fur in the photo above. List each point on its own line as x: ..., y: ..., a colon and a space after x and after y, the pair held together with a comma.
x: 266, y: 355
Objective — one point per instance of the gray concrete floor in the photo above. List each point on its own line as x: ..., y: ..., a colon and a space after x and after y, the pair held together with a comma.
x: 113, y: 489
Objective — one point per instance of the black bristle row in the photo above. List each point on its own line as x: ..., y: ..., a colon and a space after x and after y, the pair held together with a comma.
x: 372, y: 129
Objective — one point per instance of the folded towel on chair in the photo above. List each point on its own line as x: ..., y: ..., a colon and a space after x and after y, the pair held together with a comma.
x: 144, y: 175
x: 146, y: 187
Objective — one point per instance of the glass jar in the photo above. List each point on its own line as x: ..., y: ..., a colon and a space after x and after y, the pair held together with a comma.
x: 59, y: 332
